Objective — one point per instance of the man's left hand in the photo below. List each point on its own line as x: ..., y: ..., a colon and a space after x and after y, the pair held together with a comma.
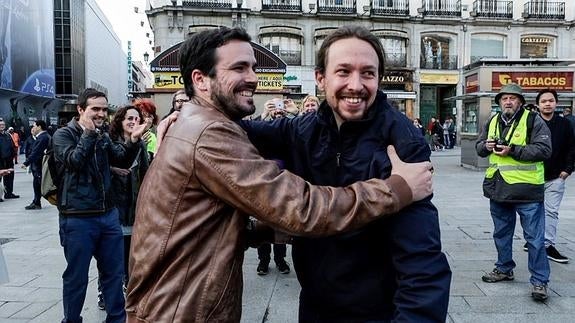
x: 563, y: 175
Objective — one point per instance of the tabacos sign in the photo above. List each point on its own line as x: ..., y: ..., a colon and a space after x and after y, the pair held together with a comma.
x: 534, y: 81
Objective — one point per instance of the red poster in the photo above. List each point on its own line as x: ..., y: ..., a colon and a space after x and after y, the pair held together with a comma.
x: 472, y: 83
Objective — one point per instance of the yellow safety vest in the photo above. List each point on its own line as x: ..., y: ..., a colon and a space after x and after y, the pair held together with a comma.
x: 514, y: 171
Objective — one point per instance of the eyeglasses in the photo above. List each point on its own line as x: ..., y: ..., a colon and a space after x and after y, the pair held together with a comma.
x: 182, y: 100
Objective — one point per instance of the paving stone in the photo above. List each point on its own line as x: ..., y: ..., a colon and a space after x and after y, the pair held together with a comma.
x: 33, y: 310
x: 11, y: 308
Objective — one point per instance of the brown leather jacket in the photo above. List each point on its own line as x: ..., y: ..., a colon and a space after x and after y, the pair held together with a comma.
x: 188, y: 239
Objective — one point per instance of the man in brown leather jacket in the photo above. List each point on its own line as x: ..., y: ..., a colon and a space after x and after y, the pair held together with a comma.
x: 189, y: 234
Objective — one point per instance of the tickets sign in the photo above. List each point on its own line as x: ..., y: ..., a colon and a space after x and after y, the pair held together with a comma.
x: 534, y: 81
x: 270, y: 81
x: 168, y: 81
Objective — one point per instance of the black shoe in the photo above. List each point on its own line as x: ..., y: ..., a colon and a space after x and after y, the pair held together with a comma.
x: 11, y: 196
x: 539, y: 293
x: 1, y: 200
x: 283, y: 267
x: 553, y: 254
x: 525, y: 247
x: 263, y: 268
x: 497, y: 276
x: 101, y: 304
x: 33, y: 206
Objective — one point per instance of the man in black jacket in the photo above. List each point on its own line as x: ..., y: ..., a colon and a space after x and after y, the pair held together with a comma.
x: 392, y: 269
x: 35, y: 161
x: 89, y: 222
x: 7, y: 154
x: 557, y: 168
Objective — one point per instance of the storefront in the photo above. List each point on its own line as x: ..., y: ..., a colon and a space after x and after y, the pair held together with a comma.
x: 435, y: 87
x: 398, y: 85
x: 482, y: 83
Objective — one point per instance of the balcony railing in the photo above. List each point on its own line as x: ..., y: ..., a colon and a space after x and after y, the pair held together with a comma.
x: 290, y: 57
x: 492, y: 9
x: 444, y: 62
x: 478, y: 58
x: 281, y: 5
x: 544, y: 10
x: 396, y: 59
x: 441, y: 8
x: 390, y: 7
x: 213, y: 4
x: 336, y: 6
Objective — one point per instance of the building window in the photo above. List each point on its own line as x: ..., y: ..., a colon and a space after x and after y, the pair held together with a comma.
x: 438, y: 52
x: 534, y: 46
x: 286, y: 46
x: 395, y: 49
x: 487, y: 46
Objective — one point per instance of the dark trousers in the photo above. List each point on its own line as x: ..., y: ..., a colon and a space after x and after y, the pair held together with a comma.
x: 265, y: 250
x: 83, y: 238
x: 8, y: 179
x: 36, y: 184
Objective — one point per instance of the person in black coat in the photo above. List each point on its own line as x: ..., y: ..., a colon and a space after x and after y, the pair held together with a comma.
x: 34, y: 160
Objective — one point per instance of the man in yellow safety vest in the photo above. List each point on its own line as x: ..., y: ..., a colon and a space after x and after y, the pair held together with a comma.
x: 516, y: 142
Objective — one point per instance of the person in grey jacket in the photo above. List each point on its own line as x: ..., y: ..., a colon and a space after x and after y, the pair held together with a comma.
x: 517, y: 142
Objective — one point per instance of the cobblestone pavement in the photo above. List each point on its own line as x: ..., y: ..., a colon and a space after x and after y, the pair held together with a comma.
x: 35, y: 261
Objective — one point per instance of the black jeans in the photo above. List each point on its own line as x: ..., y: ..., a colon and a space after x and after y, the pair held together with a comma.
x: 36, y: 184
x: 8, y: 179
x: 265, y: 250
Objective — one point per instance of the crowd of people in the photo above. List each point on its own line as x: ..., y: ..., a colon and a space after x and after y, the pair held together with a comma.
x: 167, y: 213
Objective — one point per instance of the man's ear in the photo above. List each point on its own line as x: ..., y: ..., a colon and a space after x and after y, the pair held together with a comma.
x: 200, y: 81
x: 319, y: 80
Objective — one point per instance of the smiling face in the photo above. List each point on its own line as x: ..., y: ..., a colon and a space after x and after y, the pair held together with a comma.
x: 235, y: 81
x: 351, y: 79
x: 96, y: 111
x: 131, y: 119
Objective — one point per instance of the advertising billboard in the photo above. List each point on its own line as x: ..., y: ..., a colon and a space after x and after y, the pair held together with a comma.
x: 534, y: 81
x: 27, y: 46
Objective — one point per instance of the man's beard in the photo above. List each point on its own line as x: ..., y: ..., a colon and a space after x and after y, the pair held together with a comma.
x: 227, y: 103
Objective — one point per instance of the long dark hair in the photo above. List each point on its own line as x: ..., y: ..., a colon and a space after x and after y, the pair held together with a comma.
x: 116, y: 129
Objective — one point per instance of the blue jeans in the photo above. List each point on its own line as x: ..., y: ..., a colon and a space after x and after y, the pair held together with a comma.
x: 532, y: 217
x: 100, y: 237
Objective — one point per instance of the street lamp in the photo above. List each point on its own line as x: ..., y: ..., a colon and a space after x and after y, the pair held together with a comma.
x: 146, y: 57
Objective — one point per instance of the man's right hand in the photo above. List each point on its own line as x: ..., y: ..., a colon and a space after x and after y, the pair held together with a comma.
x: 417, y: 175
x: 163, y: 127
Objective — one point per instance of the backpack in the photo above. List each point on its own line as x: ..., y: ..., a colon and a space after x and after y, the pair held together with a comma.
x: 50, y: 176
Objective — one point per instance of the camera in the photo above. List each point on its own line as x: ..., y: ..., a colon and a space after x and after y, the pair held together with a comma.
x: 499, y: 142
x: 279, y: 104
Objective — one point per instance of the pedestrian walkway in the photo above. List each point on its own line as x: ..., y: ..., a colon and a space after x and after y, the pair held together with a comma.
x: 35, y: 261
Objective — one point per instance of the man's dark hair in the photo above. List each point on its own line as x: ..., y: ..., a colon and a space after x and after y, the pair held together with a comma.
x: 41, y: 124
x: 346, y: 32
x: 89, y: 93
x: 546, y: 91
x: 199, y: 52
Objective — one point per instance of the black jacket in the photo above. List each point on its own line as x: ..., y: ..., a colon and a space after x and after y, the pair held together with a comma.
x: 34, y: 160
x: 84, y: 156
x: 563, y: 148
x: 392, y: 269
x: 7, y: 147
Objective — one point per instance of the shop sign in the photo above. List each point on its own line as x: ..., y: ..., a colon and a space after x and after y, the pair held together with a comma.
x: 396, y: 77
x: 472, y: 83
x: 270, y: 81
x: 168, y: 81
x: 534, y: 81
x: 536, y: 40
x: 428, y: 78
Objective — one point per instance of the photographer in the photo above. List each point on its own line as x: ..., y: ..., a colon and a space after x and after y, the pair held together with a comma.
x: 517, y: 142
x: 279, y: 108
